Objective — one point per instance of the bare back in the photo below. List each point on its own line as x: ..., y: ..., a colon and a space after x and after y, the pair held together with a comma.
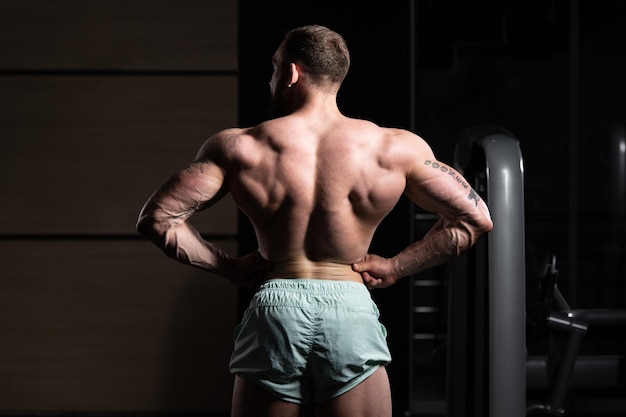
x: 315, y: 185
x: 315, y: 192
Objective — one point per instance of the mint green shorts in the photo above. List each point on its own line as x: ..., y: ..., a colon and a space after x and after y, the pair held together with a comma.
x: 308, y: 340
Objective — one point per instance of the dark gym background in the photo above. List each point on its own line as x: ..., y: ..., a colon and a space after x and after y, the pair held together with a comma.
x: 100, y: 101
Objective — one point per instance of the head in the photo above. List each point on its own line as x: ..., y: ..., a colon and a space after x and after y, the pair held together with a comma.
x: 314, y: 56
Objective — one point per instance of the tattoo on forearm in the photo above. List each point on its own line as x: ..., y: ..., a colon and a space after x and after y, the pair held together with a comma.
x: 473, y: 195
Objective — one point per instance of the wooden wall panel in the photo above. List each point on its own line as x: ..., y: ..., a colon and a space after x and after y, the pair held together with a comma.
x: 118, y: 34
x: 82, y: 154
x: 113, y: 325
x: 99, y: 103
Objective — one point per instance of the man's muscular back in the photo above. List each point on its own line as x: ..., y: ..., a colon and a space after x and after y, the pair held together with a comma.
x: 315, y: 185
x: 315, y: 190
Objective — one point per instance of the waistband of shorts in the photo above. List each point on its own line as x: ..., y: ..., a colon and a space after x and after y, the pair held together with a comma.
x: 317, y: 286
x: 313, y: 293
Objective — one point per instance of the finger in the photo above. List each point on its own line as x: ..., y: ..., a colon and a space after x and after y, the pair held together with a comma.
x: 374, y: 284
x: 363, y: 266
x: 369, y: 280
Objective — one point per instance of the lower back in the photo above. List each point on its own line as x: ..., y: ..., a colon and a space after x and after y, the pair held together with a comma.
x: 301, y: 268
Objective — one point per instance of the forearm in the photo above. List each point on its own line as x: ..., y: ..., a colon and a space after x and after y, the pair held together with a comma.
x: 180, y: 241
x: 443, y: 242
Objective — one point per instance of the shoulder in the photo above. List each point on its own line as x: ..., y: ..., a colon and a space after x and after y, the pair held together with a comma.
x: 406, y: 138
x: 220, y: 141
x: 220, y: 147
x: 396, y: 135
x: 408, y: 148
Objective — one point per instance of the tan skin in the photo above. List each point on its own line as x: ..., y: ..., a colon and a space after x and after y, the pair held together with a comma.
x: 315, y: 185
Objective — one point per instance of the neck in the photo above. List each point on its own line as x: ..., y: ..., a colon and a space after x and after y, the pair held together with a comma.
x: 318, y: 103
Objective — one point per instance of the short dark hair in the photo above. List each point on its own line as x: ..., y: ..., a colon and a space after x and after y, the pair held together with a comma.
x: 323, y: 53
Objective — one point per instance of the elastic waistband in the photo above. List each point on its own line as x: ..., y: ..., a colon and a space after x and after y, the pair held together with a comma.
x: 305, y: 293
x: 318, y: 286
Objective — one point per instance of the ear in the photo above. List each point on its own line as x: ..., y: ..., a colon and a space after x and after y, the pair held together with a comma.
x: 294, y: 74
